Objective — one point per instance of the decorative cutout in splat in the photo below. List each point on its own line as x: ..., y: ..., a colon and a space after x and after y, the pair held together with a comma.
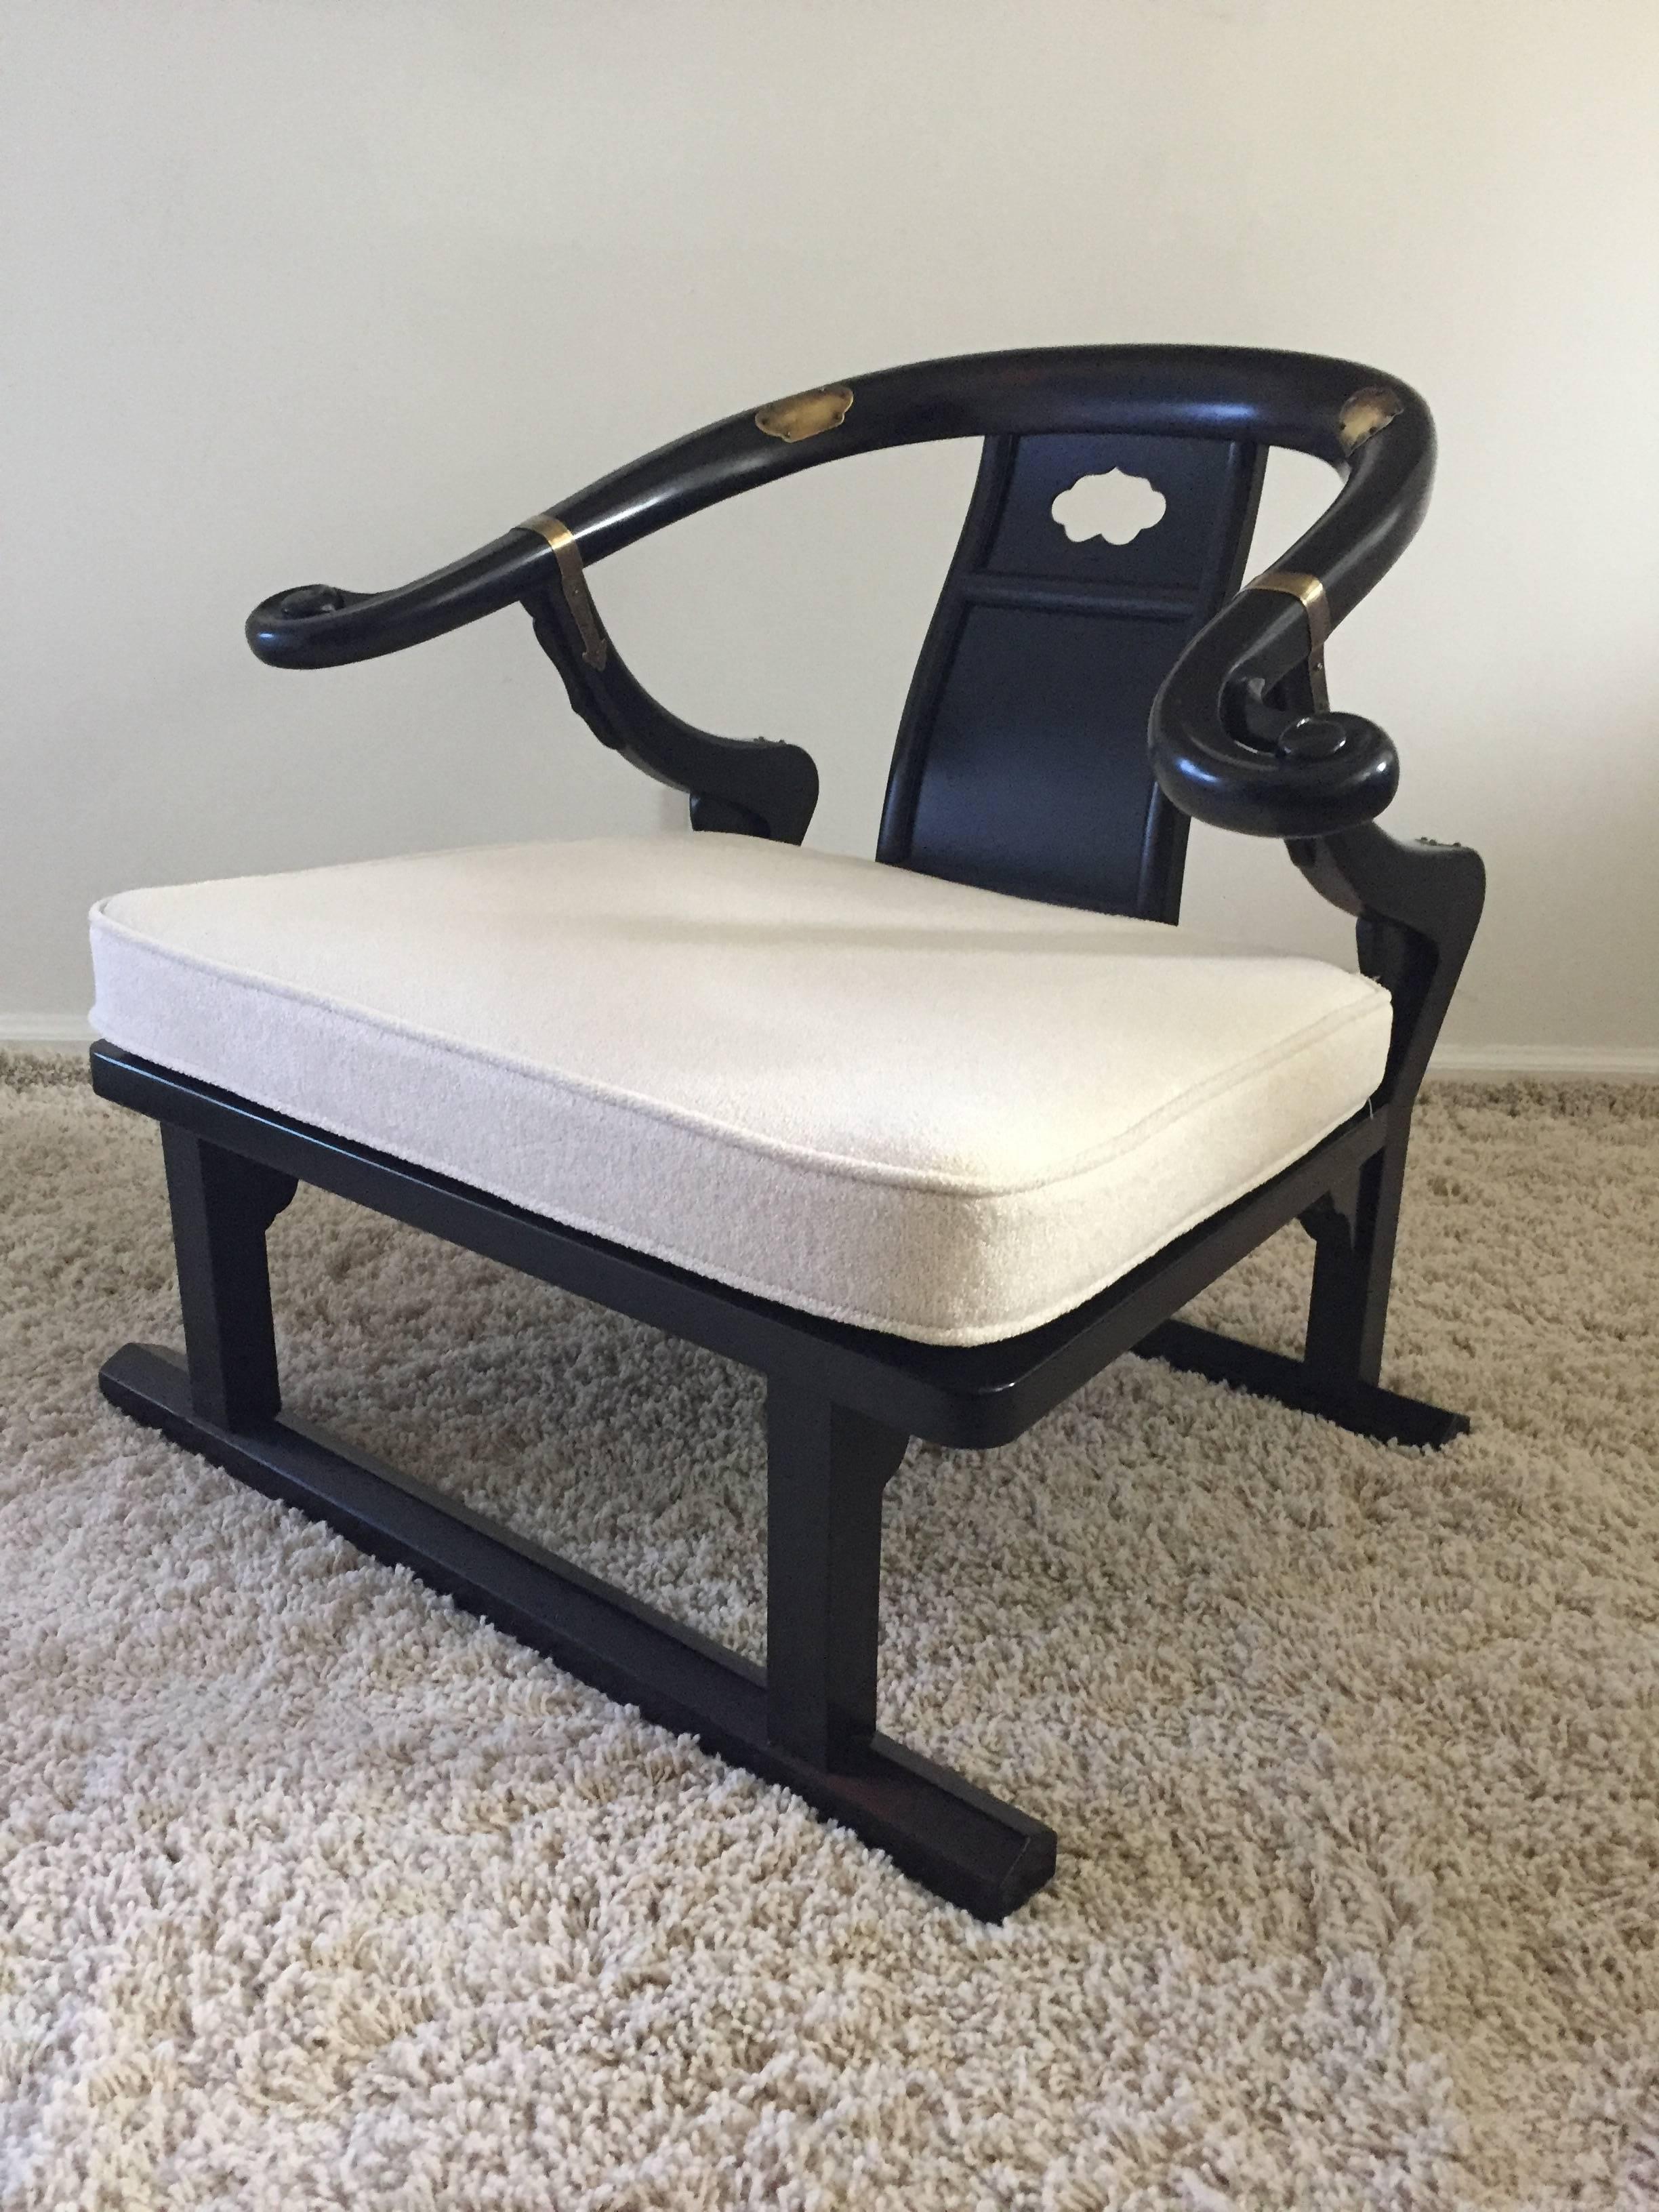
x: 1116, y: 506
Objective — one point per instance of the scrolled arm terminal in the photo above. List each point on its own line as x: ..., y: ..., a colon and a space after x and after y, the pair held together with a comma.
x: 1225, y: 754
x: 1241, y: 734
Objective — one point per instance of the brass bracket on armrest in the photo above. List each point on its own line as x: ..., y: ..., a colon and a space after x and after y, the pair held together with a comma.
x: 1296, y: 585
x: 596, y: 647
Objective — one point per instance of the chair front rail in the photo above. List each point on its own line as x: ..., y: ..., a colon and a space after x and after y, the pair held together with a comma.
x: 974, y: 1396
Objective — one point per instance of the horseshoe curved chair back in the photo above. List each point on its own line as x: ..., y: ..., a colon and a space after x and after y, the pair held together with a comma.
x: 1075, y: 701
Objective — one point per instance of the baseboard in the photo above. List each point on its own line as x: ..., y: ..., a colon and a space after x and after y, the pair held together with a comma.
x: 62, y: 1031
x: 1604, y: 1063
x: 1595, y: 1062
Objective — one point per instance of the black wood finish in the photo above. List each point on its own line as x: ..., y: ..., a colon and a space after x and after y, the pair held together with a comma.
x: 1416, y: 909
x: 1229, y: 745
x: 751, y: 786
x: 1309, y: 1388
x: 1074, y: 706
x: 1022, y: 763
x: 222, y: 1203
x: 960, y: 1842
x: 1354, y: 1230
x: 827, y: 1467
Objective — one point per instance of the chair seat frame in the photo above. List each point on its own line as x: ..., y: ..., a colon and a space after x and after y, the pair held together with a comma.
x: 843, y: 1403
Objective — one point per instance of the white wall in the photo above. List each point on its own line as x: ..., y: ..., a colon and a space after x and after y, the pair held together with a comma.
x: 302, y: 290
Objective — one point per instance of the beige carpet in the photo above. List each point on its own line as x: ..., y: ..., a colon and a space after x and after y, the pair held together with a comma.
x: 317, y: 1893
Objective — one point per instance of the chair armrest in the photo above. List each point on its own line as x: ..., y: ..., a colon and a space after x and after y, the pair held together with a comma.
x: 1241, y: 733
x: 320, y: 626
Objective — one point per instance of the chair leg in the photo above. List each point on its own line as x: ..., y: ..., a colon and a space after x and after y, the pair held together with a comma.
x: 222, y: 1205
x: 808, y: 1722
x: 827, y: 1467
x: 1354, y: 1231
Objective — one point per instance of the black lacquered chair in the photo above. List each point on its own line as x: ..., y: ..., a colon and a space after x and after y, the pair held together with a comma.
x: 927, y: 1140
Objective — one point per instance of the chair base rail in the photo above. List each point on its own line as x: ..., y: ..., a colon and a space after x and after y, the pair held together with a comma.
x: 842, y: 1403
x: 963, y: 1843
x: 1367, y: 1410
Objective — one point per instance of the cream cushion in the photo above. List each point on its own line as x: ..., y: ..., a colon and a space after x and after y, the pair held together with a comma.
x: 863, y: 1093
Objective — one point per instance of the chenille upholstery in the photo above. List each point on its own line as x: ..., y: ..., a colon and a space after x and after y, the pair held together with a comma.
x: 861, y: 1091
